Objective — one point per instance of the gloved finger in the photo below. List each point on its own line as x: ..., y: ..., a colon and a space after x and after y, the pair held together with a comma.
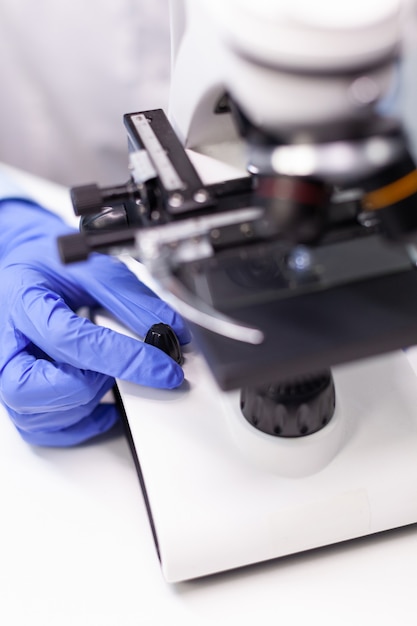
x: 32, y: 386
x: 119, y: 291
x: 68, y: 338
x: 99, y: 421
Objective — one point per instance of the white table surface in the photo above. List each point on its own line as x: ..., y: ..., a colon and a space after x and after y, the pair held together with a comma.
x: 76, y: 548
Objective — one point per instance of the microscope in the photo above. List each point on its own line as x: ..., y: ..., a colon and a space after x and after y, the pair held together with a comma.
x: 275, y: 208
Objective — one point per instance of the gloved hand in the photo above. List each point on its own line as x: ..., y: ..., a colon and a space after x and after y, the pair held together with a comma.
x: 54, y: 365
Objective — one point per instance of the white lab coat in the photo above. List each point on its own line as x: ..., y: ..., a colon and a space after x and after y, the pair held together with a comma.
x: 69, y: 70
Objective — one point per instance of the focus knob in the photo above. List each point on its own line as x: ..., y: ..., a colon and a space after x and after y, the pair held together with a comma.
x: 91, y: 199
x: 294, y: 409
x: 86, y: 199
x: 163, y: 337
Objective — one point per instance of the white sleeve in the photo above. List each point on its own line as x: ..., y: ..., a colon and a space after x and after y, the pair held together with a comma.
x: 69, y: 70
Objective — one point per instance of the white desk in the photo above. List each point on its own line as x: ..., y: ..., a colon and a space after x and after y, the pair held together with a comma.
x: 76, y: 549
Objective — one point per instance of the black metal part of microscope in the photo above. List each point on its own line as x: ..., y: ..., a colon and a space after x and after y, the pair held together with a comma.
x: 293, y: 409
x: 163, y: 337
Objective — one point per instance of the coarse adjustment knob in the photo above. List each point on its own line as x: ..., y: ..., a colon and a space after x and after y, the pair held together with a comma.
x: 292, y: 409
x: 163, y: 337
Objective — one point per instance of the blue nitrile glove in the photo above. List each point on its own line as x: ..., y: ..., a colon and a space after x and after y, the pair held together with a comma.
x: 54, y: 365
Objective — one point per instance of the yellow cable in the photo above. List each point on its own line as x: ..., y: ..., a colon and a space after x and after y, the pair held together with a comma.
x: 392, y: 193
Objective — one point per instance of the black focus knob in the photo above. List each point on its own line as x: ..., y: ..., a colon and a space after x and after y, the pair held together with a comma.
x: 73, y: 248
x: 86, y: 199
x: 293, y: 409
x: 163, y: 337
x: 91, y: 199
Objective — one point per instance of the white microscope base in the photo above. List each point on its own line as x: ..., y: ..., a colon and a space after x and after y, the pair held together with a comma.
x: 218, y: 502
